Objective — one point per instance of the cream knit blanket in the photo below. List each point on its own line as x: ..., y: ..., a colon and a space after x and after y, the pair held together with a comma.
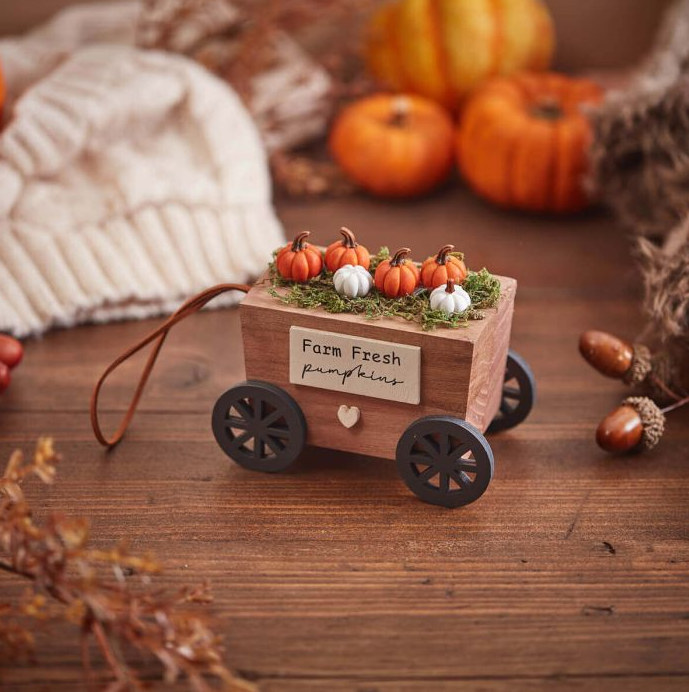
x: 129, y: 179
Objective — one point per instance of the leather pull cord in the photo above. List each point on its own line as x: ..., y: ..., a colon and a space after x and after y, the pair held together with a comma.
x: 191, y: 306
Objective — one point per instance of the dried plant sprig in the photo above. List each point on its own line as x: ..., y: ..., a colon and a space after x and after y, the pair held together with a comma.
x: 67, y: 581
x: 242, y: 41
x: 250, y: 26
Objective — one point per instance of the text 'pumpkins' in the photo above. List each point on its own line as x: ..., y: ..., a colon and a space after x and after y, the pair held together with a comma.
x: 444, y: 48
x: 394, y: 146
x: 523, y: 141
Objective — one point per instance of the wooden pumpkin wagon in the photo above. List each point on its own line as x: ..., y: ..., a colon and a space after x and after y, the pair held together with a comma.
x: 382, y: 388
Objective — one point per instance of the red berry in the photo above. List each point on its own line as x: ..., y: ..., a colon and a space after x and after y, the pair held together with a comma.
x: 5, y: 377
x: 11, y: 351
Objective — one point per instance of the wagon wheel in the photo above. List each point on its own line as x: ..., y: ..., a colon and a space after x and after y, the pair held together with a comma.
x: 259, y: 426
x: 518, y: 394
x: 445, y: 461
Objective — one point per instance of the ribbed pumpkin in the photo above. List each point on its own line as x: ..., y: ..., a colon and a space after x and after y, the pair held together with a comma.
x: 435, y: 271
x: 444, y: 48
x: 394, y: 146
x: 397, y: 276
x: 299, y: 260
x: 346, y: 251
x: 522, y: 141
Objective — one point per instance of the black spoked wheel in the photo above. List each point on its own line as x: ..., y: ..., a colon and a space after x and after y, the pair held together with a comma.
x: 259, y: 425
x: 518, y: 394
x: 445, y: 461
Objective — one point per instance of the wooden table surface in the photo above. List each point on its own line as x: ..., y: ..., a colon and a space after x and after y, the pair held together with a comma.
x: 571, y: 573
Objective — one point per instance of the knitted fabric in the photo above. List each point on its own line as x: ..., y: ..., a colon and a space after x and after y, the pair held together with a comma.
x: 130, y: 179
x: 652, y: 419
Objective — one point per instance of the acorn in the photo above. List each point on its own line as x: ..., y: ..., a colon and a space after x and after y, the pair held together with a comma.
x: 636, y: 423
x: 615, y: 357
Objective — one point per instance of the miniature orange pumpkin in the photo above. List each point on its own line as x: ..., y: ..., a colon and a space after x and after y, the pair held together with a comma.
x: 346, y: 251
x: 435, y: 271
x: 299, y: 260
x: 394, y: 146
x: 442, y: 49
x: 397, y: 276
x: 523, y: 141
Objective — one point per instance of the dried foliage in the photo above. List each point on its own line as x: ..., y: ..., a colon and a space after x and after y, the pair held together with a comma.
x: 301, y: 176
x: 92, y: 589
x: 482, y: 287
x: 249, y: 26
x: 240, y: 40
x: 640, y: 168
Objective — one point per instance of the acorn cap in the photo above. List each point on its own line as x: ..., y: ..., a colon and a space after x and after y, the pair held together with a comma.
x: 641, y: 365
x: 652, y: 419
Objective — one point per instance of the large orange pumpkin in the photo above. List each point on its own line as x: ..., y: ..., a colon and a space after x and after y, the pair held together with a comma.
x: 523, y: 141
x: 444, y: 48
x: 394, y: 146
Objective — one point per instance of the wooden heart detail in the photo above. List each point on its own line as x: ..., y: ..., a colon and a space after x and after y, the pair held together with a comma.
x: 348, y: 415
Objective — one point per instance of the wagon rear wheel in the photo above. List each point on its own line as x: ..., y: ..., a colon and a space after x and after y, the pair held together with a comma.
x: 259, y: 426
x: 445, y: 461
x: 518, y: 394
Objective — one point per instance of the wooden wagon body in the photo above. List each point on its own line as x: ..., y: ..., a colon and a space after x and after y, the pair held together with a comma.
x: 462, y: 370
x: 381, y: 387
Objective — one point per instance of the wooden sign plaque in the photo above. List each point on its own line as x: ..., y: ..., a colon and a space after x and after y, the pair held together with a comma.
x: 355, y: 364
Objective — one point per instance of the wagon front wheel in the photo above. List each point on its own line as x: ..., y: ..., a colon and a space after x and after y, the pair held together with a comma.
x: 445, y: 461
x: 518, y: 394
x: 259, y: 426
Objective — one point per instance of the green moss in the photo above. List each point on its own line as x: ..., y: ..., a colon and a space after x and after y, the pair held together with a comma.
x: 482, y: 287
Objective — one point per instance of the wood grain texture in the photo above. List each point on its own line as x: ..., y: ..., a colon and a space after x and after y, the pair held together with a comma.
x: 462, y: 370
x: 571, y: 573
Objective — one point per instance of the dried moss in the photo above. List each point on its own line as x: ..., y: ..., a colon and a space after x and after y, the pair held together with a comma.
x: 482, y: 287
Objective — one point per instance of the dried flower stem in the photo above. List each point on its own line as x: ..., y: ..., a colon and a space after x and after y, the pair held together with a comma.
x: 56, y: 559
x: 677, y: 404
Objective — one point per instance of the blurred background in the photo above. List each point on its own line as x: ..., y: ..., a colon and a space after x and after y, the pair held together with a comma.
x: 533, y: 115
x: 590, y: 34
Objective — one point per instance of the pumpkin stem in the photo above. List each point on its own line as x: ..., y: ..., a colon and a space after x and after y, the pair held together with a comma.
x: 348, y: 238
x: 444, y: 251
x: 450, y: 286
x: 400, y: 111
x: 547, y: 108
x: 398, y: 257
x: 298, y: 242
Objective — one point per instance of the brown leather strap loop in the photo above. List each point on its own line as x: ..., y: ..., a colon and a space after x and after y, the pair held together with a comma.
x: 194, y: 304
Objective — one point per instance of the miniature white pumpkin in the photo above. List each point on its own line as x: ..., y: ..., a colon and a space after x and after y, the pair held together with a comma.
x: 353, y: 281
x: 450, y: 298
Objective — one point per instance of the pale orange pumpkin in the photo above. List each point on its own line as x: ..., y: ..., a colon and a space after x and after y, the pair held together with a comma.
x: 397, y: 276
x: 523, y: 141
x: 442, y: 49
x: 299, y: 261
x: 436, y: 271
x: 346, y: 251
x: 394, y: 146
